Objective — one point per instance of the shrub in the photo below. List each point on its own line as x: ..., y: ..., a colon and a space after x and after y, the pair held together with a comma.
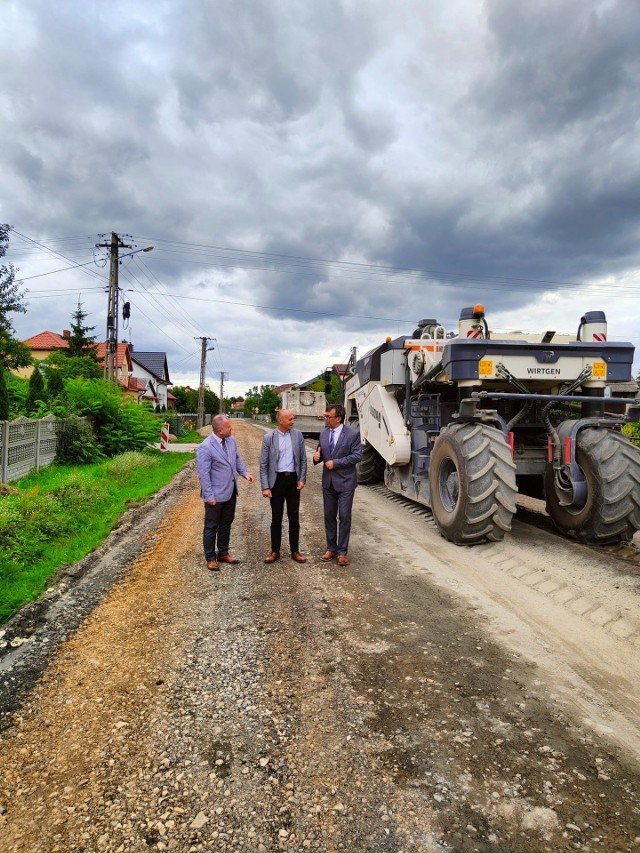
x: 17, y: 390
x: 4, y: 397
x: 77, y: 444
x: 123, y: 466
x: 120, y: 424
x: 632, y: 431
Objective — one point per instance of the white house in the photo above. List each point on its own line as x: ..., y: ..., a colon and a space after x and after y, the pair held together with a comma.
x: 152, y: 372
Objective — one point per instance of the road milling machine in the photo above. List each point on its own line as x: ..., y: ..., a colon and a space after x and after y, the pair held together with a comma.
x: 462, y: 422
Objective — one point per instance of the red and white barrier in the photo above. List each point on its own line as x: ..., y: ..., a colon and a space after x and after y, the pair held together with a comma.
x: 164, y: 437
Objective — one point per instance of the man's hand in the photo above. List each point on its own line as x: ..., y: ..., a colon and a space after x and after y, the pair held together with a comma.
x: 212, y: 502
x: 266, y: 493
x: 329, y: 464
x: 249, y: 478
x: 300, y: 485
x: 316, y: 455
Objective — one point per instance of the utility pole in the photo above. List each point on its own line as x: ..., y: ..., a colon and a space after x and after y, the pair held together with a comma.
x: 111, y: 347
x: 203, y: 362
x: 222, y: 392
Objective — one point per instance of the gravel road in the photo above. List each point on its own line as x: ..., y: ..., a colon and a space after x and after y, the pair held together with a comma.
x: 428, y: 698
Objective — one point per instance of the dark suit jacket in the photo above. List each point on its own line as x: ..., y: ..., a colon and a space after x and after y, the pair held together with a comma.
x: 346, y: 455
x: 269, y: 458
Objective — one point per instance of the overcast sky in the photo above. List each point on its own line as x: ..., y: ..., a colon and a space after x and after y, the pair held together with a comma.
x: 318, y: 175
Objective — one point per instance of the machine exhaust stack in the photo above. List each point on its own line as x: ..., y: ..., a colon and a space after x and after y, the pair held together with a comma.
x: 593, y: 327
x: 472, y: 323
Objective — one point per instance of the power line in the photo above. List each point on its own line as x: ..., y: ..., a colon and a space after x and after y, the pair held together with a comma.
x: 151, y: 275
x: 301, y: 265
x: 276, y: 257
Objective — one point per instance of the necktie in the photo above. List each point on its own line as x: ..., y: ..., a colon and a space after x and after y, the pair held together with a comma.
x: 224, y: 447
x: 331, y: 442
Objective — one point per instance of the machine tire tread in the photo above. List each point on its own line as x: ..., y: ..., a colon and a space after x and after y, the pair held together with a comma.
x: 611, y: 465
x: 487, y: 484
x: 371, y: 466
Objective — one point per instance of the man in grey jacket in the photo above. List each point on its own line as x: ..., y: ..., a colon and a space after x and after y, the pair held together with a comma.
x: 283, y: 472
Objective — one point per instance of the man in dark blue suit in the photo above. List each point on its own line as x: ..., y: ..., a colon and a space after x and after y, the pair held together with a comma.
x: 218, y: 468
x: 340, y: 450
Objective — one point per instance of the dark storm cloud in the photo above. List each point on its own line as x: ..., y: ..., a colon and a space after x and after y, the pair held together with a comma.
x: 556, y: 111
x: 266, y: 63
x: 557, y: 64
x: 541, y: 178
x: 492, y: 139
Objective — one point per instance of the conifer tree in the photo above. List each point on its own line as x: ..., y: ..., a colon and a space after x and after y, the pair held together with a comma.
x: 36, y: 391
x: 81, y: 344
x: 55, y: 385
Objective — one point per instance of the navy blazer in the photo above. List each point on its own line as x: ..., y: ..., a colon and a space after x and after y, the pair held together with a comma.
x: 346, y: 455
x: 269, y: 458
x: 216, y: 470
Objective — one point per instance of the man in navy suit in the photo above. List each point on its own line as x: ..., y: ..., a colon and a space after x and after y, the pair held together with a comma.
x: 218, y: 467
x: 340, y: 450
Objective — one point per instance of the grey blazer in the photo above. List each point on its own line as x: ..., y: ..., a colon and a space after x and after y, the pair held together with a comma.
x: 269, y: 458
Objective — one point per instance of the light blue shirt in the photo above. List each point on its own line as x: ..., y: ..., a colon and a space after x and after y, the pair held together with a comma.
x: 285, y: 452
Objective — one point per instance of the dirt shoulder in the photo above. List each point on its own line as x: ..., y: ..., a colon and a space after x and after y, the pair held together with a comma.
x: 296, y: 707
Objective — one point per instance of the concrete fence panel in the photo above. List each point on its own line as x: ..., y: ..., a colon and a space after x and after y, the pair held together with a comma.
x: 26, y: 444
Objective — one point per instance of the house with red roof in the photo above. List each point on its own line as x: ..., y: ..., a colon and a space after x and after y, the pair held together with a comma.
x: 144, y: 376
x: 42, y: 345
x: 45, y: 343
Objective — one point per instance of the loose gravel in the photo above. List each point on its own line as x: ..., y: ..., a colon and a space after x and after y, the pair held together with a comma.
x: 291, y: 707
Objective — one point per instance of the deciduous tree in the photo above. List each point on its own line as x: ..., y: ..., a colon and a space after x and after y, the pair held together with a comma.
x: 13, y: 353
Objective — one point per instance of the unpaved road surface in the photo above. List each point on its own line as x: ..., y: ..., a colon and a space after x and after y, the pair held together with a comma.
x: 428, y: 698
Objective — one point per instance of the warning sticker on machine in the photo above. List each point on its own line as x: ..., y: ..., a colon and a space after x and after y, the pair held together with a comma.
x: 599, y: 369
x: 485, y: 367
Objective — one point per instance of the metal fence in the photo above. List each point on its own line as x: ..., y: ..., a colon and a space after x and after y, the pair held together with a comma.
x: 181, y: 421
x: 27, y: 444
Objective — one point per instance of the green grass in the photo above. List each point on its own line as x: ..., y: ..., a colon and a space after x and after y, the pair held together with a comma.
x: 60, y: 514
x: 190, y: 436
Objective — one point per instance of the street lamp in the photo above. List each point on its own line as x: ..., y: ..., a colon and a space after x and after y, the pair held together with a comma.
x: 146, y: 249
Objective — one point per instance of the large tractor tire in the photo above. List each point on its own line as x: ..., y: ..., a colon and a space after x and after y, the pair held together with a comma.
x: 472, y: 484
x: 371, y: 466
x: 611, y: 466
